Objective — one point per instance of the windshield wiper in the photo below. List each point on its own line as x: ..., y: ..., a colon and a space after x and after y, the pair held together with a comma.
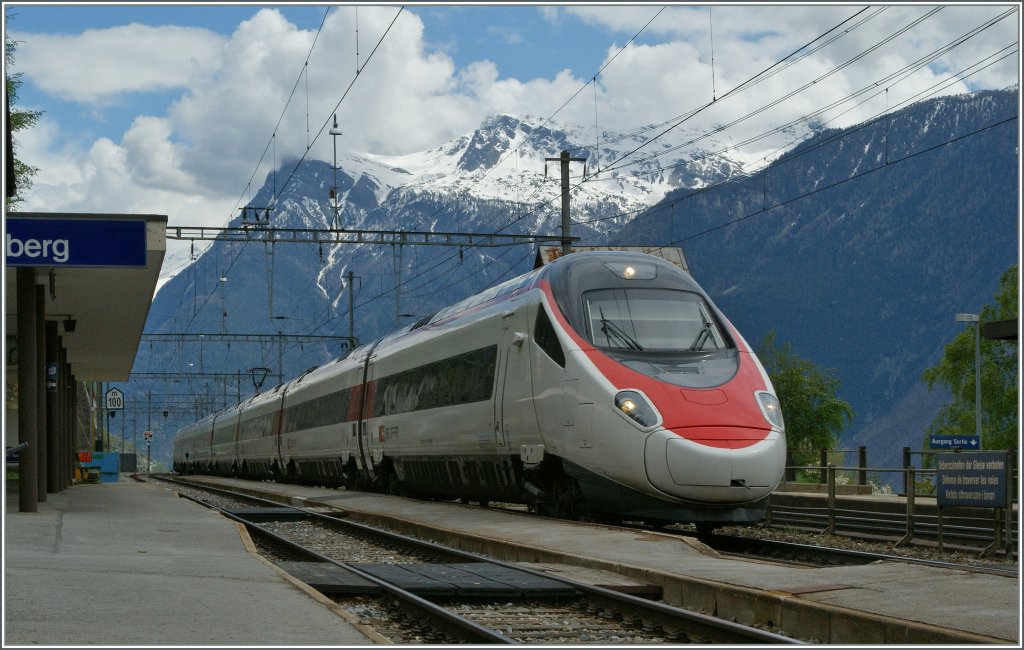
x: 608, y: 326
x: 703, y: 335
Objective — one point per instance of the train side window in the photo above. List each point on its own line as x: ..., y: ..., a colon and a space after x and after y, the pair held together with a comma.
x: 544, y: 335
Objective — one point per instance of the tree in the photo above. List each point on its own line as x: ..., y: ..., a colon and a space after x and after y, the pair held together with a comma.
x: 19, y: 119
x: 813, y: 413
x: 1000, y: 370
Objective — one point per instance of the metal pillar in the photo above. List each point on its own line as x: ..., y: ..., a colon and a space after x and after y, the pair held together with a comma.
x: 564, y: 159
x: 62, y: 417
x: 53, y: 448
x: 102, y: 417
x: 280, y: 357
x: 909, y: 479
x: 396, y: 254
x: 28, y: 419
x: 135, y: 437
x: 351, y: 312
x: 90, y: 395
x: 565, y: 203
x: 67, y: 446
x: 831, y: 479
x: 335, y: 200
x: 41, y: 437
x: 977, y: 382
x: 73, y: 412
x: 906, y: 466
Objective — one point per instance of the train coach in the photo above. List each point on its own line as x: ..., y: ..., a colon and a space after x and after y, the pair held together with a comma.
x: 605, y: 385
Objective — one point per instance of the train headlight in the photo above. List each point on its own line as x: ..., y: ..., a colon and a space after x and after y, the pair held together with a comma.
x: 636, y: 407
x: 771, y: 409
x: 633, y: 270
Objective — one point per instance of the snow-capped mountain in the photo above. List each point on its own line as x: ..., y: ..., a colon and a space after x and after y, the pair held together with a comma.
x: 509, y: 160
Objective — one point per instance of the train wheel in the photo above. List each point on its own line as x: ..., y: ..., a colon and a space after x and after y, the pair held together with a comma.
x: 386, y: 480
x: 291, y: 474
x: 565, y: 500
x: 349, y: 474
x: 705, y: 529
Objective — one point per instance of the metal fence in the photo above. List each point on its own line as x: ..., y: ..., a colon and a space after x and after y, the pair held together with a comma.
x: 919, y: 480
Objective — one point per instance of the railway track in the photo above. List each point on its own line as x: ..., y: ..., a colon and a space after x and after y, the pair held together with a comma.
x: 377, y: 587
x: 815, y: 555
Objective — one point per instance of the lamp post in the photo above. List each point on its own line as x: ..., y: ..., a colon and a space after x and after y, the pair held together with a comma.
x: 973, y: 318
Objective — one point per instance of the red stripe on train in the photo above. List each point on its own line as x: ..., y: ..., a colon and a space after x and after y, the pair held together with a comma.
x: 724, y: 416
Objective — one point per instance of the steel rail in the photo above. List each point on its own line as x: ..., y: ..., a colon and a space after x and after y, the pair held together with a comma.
x: 472, y: 629
x: 733, y: 632
x: 735, y: 544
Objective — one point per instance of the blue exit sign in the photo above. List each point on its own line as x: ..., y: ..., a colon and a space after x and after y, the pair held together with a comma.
x: 951, y: 442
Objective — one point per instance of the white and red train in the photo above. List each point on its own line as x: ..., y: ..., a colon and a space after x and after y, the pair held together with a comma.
x: 605, y: 385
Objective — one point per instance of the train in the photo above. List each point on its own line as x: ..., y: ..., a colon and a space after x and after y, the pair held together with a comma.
x: 605, y: 386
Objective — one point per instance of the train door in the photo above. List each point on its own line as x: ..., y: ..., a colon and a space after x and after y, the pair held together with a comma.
x: 549, y: 380
x: 501, y: 377
x: 236, y: 445
x: 364, y: 459
x: 513, y: 383
x: 276, y: 429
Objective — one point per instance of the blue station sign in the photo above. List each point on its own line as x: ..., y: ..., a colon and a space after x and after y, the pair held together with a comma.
x: 951, y: 442
x: 75, y: 242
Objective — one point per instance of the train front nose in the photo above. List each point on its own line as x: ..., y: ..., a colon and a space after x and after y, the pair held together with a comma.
x: 715, y: 464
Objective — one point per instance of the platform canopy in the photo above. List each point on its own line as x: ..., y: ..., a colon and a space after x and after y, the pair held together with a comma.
x: 99, y: 274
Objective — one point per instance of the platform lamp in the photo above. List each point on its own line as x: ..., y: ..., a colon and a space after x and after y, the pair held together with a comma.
x: 973, y: 318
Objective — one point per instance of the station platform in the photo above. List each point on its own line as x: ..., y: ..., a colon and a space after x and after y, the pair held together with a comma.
x: 131, y: 564
x: 879, y: 603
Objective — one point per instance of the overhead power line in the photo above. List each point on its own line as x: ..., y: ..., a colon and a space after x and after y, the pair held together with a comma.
x: 350, y: 236
x: 871, y: 121
x: 543, y: 205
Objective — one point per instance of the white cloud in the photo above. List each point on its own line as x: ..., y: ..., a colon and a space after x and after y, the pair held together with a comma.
x: 98, y: 66
x: 194, y: 159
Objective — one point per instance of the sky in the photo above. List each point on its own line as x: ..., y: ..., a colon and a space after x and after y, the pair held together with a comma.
x: 184, y: 110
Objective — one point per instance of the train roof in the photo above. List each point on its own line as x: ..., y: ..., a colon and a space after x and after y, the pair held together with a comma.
x: 548, y: 254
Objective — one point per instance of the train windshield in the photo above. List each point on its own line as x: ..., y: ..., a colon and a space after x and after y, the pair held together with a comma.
x: 651, y: 319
